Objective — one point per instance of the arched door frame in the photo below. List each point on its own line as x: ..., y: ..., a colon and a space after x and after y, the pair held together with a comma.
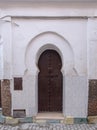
x: 43, y: 41
x: 50, y: 69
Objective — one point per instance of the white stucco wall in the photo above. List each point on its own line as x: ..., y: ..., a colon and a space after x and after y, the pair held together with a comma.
x: 67, y: 28
x: 1, y: 61
x: 6, y: 36
x: 1, y: 52
x: 29, y: 40
x: 74, y: 31
x: 92, y: 48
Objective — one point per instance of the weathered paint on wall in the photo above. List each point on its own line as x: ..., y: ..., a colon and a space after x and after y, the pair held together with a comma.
x: 6, y: 97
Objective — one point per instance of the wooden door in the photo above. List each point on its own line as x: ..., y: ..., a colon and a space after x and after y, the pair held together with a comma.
x: 0, y: 93
x: 50, y: 82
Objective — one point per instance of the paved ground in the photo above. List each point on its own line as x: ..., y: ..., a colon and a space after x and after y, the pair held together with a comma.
x: 32, y: 126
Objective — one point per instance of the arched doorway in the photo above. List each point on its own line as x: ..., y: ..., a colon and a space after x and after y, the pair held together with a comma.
x: 50, y: 81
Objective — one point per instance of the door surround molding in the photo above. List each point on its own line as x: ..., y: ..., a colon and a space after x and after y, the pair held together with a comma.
x: 49, y: 40
x: 36, y: 46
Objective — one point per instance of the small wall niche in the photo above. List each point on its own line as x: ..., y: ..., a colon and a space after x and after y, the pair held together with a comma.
x: 18, y: 83
x: 19, y: 113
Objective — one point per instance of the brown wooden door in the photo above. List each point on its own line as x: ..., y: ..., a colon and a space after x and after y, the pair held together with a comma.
x: 0, y: 93
x: 50, y: 82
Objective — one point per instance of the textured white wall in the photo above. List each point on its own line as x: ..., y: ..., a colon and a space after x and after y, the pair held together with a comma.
x: 1, y: 52
x: 1, y: 61
x: 7, y: 48
x: 72, y: 30
x: 76, y: 96
x: 92, y: 48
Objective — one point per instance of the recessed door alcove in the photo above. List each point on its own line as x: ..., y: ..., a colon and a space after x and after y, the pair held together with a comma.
x: 50, y: 82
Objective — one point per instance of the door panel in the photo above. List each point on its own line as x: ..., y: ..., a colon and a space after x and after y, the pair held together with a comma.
x: 50, y: 82
x: 0, y: 93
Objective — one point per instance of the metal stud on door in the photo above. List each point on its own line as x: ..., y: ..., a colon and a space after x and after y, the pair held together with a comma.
x: 50, y: 82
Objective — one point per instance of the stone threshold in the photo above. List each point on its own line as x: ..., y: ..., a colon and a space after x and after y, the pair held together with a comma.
x: 50, y: 115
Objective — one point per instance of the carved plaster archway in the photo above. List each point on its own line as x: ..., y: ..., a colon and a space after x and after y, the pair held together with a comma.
x: 41, y: 42
x: 49, y: 40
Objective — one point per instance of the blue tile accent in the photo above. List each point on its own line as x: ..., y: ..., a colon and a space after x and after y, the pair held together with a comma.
x: 2, y: 119
x: 53, y: 121
x: 80, y: 120
x: 26, y: 120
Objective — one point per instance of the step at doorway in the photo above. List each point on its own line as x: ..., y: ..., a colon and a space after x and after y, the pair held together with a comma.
x: 50, y: 115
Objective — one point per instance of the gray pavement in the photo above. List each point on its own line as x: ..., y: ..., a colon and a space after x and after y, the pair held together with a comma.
x: 34, y: 126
